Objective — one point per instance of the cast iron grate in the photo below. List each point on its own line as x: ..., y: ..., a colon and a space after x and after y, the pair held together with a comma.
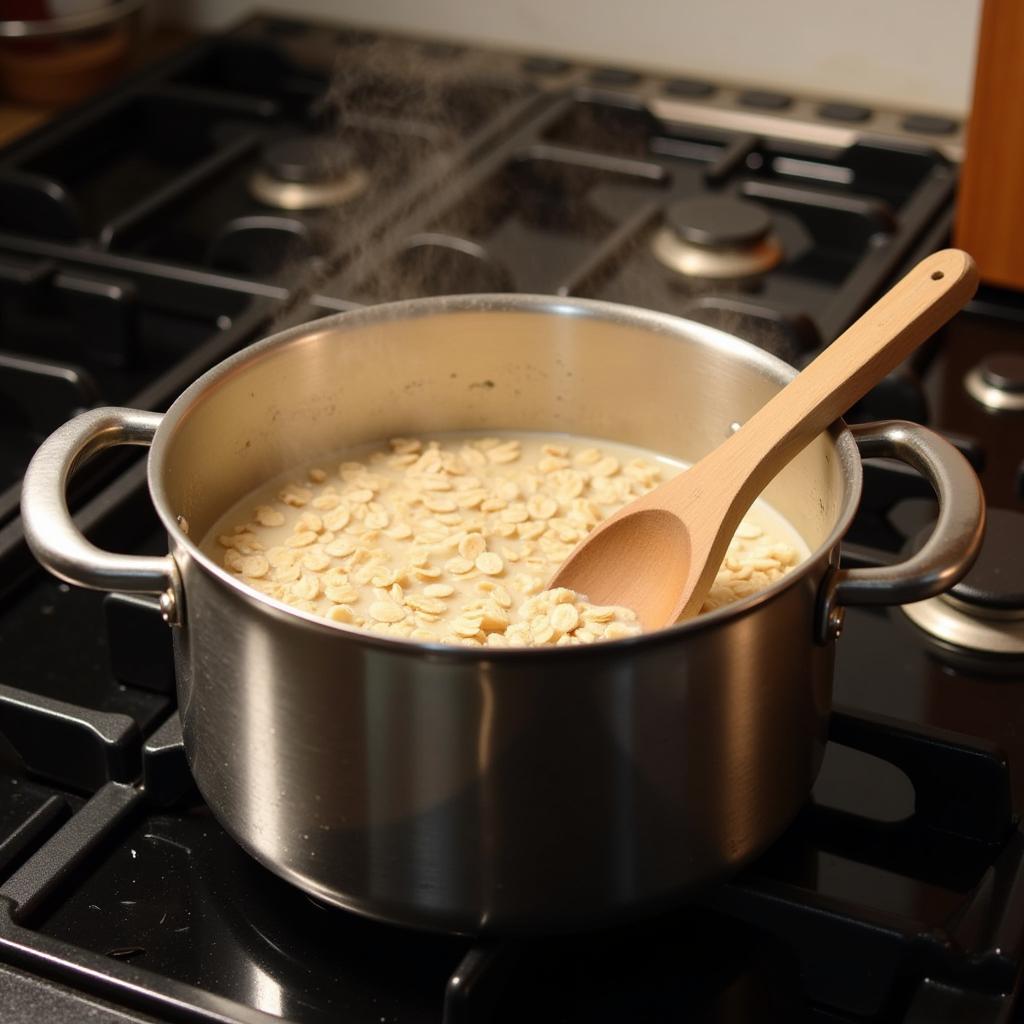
x: 166, y: 167
x: 569, y: 204
x: 137, y: 895
x: 76, y: 334
x: 129, y: 265
x: 140, y: 897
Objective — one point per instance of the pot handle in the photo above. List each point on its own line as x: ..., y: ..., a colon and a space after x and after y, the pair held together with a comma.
x: 51, y: 533
x: 948, y: 553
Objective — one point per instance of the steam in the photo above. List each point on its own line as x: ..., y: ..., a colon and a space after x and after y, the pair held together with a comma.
x: 405, y: 123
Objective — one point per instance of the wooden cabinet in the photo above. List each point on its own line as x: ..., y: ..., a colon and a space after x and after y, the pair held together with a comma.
x: 990, y: 207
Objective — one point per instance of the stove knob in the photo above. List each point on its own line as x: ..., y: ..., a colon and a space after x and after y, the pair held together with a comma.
x: 997, y: 382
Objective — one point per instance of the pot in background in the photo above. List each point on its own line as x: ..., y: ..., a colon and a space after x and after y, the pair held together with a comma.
x: 60, y: 51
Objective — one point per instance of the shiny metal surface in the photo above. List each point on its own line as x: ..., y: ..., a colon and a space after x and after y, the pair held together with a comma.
x: 949, y: 552
x: 953, y: 622
x: 100, y: 16
x: 308, y: 195
x: 49, y: 528
x: 494, y: 790
x: 986, y: 394
x: 718, y: 263
x: 799, y: 122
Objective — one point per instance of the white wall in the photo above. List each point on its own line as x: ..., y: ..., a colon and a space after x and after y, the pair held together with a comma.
x: 917, y: 53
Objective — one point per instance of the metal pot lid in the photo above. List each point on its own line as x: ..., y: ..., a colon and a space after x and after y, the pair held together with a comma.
x: 984, y: 612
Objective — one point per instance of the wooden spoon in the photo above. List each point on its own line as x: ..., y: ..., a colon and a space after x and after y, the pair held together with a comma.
x: 659, y: 555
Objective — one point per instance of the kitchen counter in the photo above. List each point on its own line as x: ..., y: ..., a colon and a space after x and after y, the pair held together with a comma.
x: 18, y: 118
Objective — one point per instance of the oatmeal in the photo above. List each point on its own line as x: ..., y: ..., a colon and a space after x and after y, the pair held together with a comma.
x: 453, y: 539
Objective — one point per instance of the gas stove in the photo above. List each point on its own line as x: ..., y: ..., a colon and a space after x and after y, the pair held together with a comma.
x: 287, y: 170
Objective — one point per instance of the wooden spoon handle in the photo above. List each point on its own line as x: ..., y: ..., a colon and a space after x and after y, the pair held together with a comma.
x: 859, y: 358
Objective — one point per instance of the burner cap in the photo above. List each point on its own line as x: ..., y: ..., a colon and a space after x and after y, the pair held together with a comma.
x: 718, y: 222
x: 997, y: 382
x: 996, y: 582
x: 307, y: 158
x: 302, y: 172
x: 716, y: 237
x: 984, y: 612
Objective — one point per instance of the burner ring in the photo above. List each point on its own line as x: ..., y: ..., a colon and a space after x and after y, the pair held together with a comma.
x: 718, y: 222
x: 716, y: 237
x: 304, y: 172
x: 984, y: 612
x: 997, y: 382
x: 295, y: 195
x: 948, y: 621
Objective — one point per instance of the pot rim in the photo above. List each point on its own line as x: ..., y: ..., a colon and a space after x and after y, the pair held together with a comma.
x: 407, y: 309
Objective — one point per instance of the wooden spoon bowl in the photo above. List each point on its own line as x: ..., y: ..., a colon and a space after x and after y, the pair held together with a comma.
x: 659, y: 555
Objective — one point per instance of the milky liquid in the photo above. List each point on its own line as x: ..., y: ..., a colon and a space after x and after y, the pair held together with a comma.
x: 346, y: 565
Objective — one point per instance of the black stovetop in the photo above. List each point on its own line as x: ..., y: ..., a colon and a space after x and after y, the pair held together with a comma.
x: 135, y: 253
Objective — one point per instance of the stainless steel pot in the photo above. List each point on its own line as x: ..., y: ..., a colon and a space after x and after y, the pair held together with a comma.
x: 489, y: 790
